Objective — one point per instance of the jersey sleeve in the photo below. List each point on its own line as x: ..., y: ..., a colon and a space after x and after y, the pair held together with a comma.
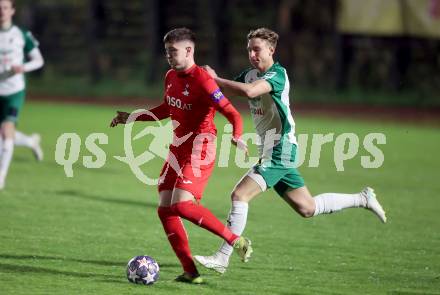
x: 276, y: 79
x: 223, y: 105
x: 160, y: 112
x: 29, y: 42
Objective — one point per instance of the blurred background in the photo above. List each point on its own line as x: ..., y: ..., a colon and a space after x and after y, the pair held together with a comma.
x: 368, y: 52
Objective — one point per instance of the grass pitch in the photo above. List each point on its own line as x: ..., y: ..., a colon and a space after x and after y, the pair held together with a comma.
x: 62, y: 235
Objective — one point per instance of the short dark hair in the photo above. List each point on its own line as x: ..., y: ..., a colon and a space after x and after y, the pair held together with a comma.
x: 179, y: 34
x: 265, y: 34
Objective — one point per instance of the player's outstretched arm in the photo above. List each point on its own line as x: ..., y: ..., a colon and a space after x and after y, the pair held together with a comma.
x: 234, y: 88
x: 226, y: 91
x: 248, y: 90
x: 158, y: 113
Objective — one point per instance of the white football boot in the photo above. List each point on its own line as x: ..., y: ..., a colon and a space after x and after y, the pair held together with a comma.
x: 36, y: 147
x: 213, y: 262
x: 373, y: 204
x: 2, y: 181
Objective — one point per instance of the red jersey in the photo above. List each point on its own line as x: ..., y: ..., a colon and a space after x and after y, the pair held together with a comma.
x: 191, y: 98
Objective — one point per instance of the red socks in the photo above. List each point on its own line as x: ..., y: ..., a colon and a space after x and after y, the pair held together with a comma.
x: 202, y: 217
x: 197, y: 214
x: 177, y: 237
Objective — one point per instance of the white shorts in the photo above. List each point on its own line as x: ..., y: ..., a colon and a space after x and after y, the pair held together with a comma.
x: 255, y: 176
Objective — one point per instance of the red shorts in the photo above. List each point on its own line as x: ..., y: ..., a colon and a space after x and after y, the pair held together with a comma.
x: 189, y: 167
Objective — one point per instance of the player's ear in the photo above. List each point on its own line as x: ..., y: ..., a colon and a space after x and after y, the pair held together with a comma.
x: 188, y: 50
x: 271, y: 50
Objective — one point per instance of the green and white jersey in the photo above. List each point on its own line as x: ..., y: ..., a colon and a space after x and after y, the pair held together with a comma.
x: 271, y: 112
x: 15, y: 44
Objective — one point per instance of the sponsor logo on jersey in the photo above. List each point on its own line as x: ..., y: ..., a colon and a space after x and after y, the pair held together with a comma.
x: 269, y: 75
x: 256, y: 106
x: 217, y: 95
x: 256, y: 102
x: 176, y: 102
x: 185, y: 91
x: 257, y: 111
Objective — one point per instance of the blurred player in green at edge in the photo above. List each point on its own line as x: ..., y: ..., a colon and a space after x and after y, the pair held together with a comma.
x: 266, y: 86
x: 19, y: 54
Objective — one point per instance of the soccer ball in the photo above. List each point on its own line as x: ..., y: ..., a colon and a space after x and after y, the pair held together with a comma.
x: 142, y: 270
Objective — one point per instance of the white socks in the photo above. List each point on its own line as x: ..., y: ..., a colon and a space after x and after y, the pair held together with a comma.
x: 5, y: 158
x: 236, y: 223
x: 332, y: 202
x: 324, y: 204
x: 22, y: 139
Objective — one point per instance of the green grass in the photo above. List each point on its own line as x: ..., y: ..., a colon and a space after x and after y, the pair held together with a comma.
x: 62, y: 235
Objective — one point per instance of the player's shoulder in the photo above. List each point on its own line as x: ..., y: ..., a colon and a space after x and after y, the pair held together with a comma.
x: 14, y: 30
x: 30, y: 41
x: 22, y: 30
x: 279, y: 68
x: 18, y: 32
x: 169, y: 74
x: 275, y: 71
x: 201, y: 74
x: 202, y: 77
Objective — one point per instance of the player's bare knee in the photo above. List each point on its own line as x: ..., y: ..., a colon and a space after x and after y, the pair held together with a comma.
x: 306, y: 211
x: 236, y: 195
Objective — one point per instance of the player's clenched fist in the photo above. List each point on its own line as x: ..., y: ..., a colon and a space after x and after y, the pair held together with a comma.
x: 120, y: 118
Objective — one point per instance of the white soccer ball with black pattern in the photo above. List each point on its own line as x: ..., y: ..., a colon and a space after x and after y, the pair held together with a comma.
x: 142, y: 270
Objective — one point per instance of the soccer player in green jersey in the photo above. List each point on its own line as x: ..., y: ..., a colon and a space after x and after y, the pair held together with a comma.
x: 266, y: 86
x: 19, y: 54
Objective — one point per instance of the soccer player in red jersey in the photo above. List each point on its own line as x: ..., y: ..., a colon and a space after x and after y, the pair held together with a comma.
x: 191, y: 99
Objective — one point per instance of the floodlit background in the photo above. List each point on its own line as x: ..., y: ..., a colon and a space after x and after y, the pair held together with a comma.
x: 368, y: 52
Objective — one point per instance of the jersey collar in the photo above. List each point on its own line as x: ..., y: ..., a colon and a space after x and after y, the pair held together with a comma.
x: 262, y: 74
x: 187, y: 71
x: 7, y: 29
